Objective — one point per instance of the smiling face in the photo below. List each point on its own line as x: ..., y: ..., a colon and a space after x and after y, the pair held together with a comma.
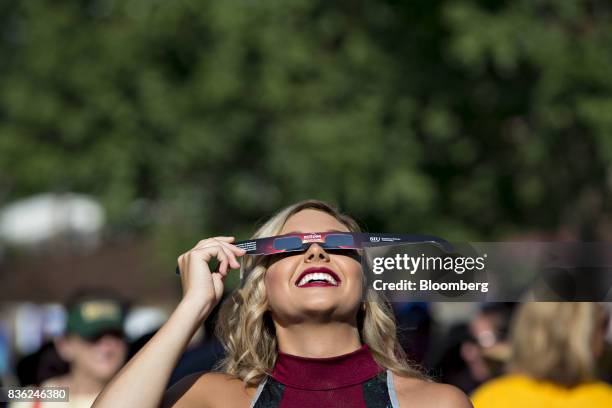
x: 292, y: 303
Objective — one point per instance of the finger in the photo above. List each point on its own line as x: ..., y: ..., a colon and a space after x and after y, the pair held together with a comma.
x: 206, y: 253
x: 221, y: 240
x: 236, y: 249
x: 233, y: 252
x: 239, y: 251
x: 223, y: 259
x: 227, y: 243
x: 223, y: 266
x: 228, y: 249
x: 231, y: 257
x: 225, y: 239
x: 213, y: 239
x: 217, y: 280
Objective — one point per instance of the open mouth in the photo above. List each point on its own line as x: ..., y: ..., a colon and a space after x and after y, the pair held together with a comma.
x: 319, y: 276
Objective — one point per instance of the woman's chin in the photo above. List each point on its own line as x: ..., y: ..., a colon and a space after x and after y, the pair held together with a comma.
x: 322, y: 307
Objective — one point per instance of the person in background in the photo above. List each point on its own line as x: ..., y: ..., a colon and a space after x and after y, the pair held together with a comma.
x: 93, y: 345
x: 414, y: 325
x: 476, y: 351
x: 486, y: 349
x: 554, y: 349
x: 39, y: 366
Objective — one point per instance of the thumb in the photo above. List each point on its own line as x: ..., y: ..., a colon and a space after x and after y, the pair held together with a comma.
x: 218, y: 285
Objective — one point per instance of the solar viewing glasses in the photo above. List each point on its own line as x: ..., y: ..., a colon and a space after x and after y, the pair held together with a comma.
x: 330, y: 240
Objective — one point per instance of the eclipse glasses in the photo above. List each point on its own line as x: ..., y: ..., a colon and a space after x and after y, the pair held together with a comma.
x: 300, y: 242
x: 327, y: 240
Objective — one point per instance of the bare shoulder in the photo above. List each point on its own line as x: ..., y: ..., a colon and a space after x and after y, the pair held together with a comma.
x: 208, y: 390
x: 59, y: 381
x: 419, y: 393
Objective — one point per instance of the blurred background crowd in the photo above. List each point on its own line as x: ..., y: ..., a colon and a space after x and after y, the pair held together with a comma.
x: 129, y: 130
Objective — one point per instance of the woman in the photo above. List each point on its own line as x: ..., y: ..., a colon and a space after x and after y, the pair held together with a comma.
x: 287, y: 345
x: 554, y: 350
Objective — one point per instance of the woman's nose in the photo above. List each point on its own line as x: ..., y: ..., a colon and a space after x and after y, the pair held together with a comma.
x: 316, y: 253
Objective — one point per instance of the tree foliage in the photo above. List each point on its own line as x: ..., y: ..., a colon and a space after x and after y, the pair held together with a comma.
x: 461, y: 118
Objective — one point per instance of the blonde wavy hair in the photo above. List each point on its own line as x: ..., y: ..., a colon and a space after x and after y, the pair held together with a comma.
x: 245, y: 328
x: 553, y: 341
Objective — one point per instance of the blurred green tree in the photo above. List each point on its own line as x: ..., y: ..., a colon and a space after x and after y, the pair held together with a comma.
x: 461, y: 118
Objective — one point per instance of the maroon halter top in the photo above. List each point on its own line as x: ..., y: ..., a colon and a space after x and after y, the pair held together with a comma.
x: 325, y: 382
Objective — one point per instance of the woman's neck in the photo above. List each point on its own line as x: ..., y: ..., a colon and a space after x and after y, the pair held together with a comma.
x: 317, y: 339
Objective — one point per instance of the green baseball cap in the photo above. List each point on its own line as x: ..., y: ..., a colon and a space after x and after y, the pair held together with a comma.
x: 92, y: 317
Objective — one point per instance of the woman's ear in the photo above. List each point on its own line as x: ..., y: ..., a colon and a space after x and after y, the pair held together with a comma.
x: 65, y: 348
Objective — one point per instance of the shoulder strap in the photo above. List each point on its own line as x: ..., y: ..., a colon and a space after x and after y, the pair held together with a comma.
x: 376, y: 393
x: 391, y: 389
x: 269, y: 394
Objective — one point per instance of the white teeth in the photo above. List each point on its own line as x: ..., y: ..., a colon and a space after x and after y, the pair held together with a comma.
x: 317, y: 276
